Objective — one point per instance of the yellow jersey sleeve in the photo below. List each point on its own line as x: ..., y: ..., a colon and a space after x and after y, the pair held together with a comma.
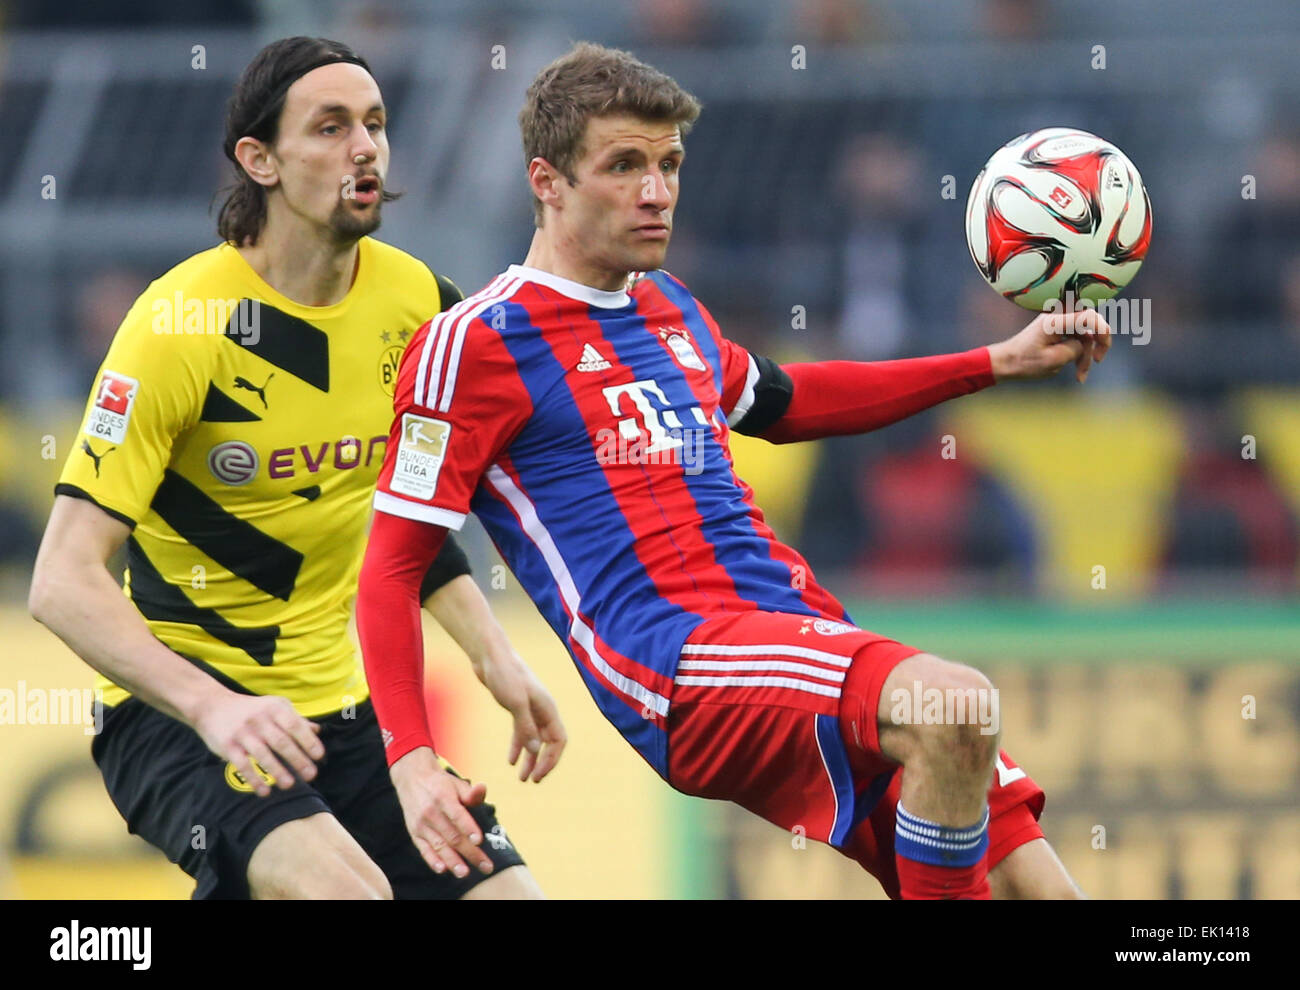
x: 150, y: 389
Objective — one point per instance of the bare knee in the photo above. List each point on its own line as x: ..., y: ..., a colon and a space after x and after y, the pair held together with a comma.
x: 934, y: 710
x: 314, y: 858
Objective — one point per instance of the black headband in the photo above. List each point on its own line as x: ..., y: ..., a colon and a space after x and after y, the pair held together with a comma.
x: 279, y: 92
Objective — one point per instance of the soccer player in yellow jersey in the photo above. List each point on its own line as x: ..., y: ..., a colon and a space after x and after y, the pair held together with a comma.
x: 232, y: 440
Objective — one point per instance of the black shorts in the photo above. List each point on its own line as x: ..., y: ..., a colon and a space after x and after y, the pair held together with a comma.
x: 175, y: 793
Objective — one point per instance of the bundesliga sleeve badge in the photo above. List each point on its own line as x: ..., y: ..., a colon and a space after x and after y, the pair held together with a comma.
x: 111, y: 413
x: 419, y: 456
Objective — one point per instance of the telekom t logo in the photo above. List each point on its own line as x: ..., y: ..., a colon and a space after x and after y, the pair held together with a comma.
x: 656, y: 425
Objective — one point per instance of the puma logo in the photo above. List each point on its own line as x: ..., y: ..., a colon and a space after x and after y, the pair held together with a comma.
x: 85, y: 445
x: 244, y: 383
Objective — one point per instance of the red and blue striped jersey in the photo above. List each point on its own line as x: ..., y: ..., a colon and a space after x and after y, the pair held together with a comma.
x: 589, y: 432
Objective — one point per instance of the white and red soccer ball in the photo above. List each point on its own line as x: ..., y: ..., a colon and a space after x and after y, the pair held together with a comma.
x: 1058, y: 214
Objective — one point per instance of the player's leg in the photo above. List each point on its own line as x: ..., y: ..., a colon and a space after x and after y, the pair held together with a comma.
x: 941, y: 832
x: 314, y: 858
x: 1032, y: 871
x: 758, y: 718
x: 948, y: 763
x: 200, y: 812
x: 750, y: 722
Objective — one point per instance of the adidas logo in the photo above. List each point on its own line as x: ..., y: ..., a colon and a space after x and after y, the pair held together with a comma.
x: 591, y: 360
x: 387, y: 737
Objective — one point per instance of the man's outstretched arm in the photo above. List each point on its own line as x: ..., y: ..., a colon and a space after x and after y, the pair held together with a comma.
x: 833, y: 398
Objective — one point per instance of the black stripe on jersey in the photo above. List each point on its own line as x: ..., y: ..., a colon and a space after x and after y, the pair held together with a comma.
x: 287, y: 342
x: 163, y: 602
x: 772, y: 394
x: 238, y: 546
x: 218, y: 407
x: 448, y: 293
x: 216, y: 675
x: 65, y: 489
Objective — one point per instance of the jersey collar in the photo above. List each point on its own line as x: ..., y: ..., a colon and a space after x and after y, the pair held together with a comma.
x: 574, y: 290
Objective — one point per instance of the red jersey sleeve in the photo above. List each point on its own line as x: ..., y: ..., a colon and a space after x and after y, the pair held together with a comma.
x: 458, y: 404
x: 787, y: 403
x: 739, y: 376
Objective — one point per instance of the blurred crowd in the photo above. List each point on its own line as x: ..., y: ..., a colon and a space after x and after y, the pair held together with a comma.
x: 819, y: 227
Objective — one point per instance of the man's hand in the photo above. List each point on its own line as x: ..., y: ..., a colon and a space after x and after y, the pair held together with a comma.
x: 1049, y: 343
x: 240, y: 727
x: 538, y: 732
x: 433, y: 803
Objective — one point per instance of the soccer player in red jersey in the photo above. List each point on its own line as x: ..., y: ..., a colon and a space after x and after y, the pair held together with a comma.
x: 581, y: 406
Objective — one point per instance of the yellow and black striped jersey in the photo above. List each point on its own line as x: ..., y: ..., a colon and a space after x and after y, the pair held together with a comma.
x: 241, y: 434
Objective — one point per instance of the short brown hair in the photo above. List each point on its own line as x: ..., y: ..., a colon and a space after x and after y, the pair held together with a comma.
x: 594, y: 81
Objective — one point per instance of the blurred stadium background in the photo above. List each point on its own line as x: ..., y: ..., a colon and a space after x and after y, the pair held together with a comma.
x: 1176, y: 469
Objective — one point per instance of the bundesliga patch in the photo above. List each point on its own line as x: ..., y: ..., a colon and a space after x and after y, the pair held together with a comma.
x: 419, y: 456
x: 111, y: 413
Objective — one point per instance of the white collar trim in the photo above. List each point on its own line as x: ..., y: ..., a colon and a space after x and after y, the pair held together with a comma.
x: 574, y: 290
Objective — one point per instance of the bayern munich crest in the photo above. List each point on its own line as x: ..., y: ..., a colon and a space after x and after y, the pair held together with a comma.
x: 233, y: 462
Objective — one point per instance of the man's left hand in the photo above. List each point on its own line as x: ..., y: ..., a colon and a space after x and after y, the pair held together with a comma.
x: 1049, y: 343
x: 538, y: 732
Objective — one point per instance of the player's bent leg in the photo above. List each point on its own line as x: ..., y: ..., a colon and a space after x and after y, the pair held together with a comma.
x: 815, y: 752
x: 514, y: 883
x: 1014, y: 800
x: 314, y: 858
x: 948, y: 762
x: 929, y: 717
x: 179, y: 797
x: 1032, y: 872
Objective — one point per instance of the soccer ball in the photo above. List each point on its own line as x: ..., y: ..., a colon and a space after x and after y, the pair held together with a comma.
x: 1058, y: 214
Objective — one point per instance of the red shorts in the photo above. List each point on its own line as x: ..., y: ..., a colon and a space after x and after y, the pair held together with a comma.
x: 777, y: 713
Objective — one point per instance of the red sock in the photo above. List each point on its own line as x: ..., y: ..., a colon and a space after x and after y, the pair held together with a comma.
x: 939, y: 862
x: 923, y: 882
